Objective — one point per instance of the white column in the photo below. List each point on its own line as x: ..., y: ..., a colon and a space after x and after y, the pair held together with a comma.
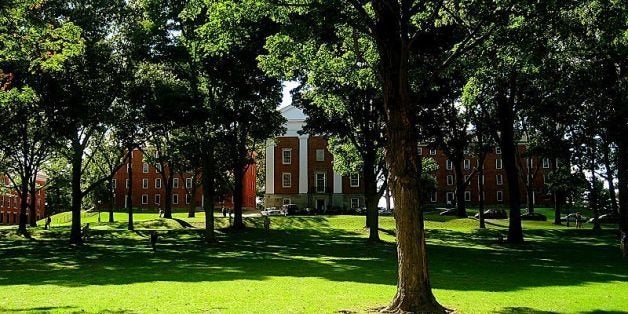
x: 337, y: 183
x: 270, y: 167
x: 303, y: 175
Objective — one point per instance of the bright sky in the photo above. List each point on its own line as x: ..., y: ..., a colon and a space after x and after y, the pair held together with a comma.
x: 287, y: 87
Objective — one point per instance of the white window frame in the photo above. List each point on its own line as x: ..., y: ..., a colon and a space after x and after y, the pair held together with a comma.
x: 175, y: 183
x: 354, y: 177
x: 175, y: 199
x: 449, y: 196
x: 157, y: 199
x: 467, y: 164
x: 144, y: 183
x: 432, y: 151
x: 144, y: 167
x: 320, y: 155
x: 114, y: 183
x: 357, y: 201
x: 498, y: 150
x: 467, y: 196
x: 157, y: 168
x: 530, y: 163
x: 188, y: 183
x: 499, y: 179
x: 127, y: 183
x: 448, y: 164
x: 450, y: 179
x: 546, y: 163
x: 288, y: 160
x: 128, y: 167
x: 320, y: 189
x: 287, y: 175
x: 500, y: 196
x: 144, y: 199
x: 420, y: 151
x: 498, y: 163
x: 158, y: 183
x: 434, y: 197
x: 187, y: 199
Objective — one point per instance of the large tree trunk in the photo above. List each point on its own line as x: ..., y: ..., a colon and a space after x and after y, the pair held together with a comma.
x: 530, y: 186
x: 129, y: 191
x: 168, y: 177
x: 622, y: 175
x: 112, y: 201
x: 23, y: 193
x: 506, y: 117
x: 481, y: 191
x: 609, y: 178
x: 414, y: 292
x: 192, y: 193
x: 33, y: 201
x: 238, y: 173
x: 77, y: 195
x: 208, y: 196
x: 594, y: 198
x: 461, y: 210
x: 370, y: 195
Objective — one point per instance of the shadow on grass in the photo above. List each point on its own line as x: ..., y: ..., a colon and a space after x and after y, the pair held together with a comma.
x: 41, y: 309
x: 308, y: 247
x: 522, y: 310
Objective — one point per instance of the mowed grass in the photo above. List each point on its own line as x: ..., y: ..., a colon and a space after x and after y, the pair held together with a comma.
x: 319, y: 264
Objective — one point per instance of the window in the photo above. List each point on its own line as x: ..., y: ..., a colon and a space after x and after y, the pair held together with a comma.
x: 432, y: 151
x: 127, y: 183
x: 450, y: 180
x: 530, y: 163
x: 128, y: 167
x: 175, y: 183
x: 498, y: 163
x: 355, y: 203
x: 287, y: 156
x: 467, y: 196
x: 500, y: 196
x: 175, y: 199
x: 320, y: 182
x: 499, y: 179
x: 498, y: 151
x: 466, y: 178
x: 144, y: 198
x: 286, y: 180
x: 114, y: 183
x: 145, y: 167
x: 144, y: 183
x: 467, y: 164
x: 157, y: 199
x: 187, y: 198
x: 450, y: 197
x: 188, y: 183
x: 546, y: 163
x: 434, y: 197
x: 481, y: 178
x: 420, y: 151
x: 449, y: 164
x: 483, y: 196
x: 465, y: 151
x: 158, y: 168
x: 354, y: 180
x: 286, y: 201
x: 158, y: 183
x: 320, y: 155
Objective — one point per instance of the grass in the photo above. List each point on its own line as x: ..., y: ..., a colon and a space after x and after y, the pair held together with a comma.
x: 307, y: 265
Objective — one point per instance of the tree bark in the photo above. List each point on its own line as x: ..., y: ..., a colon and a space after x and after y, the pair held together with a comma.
x: 238, y: 173
x: 77, y: 195
x: 481, y: 191
x: 168, y: 178
x: 530, y: 186
x: 593, y: 199
x: 506, y: 117
x: 23, y: 207
x: 112, y: 202
x: 370, y: 194
x: 414, y: 292
x: 208, y: 195
x: 129, y: 191
x: 461, y: 210
x: 192, y: 193
x: 622, y: 175
x: 609, y: 178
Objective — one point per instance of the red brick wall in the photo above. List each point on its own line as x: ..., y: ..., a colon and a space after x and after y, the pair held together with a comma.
x: 180, y: 191
x: 292, y: 168
x: 314, y: 166
x: 10, y: 203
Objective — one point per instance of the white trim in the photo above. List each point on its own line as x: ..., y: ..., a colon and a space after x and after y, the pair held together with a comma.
x: 498, y: 163
x: 158, y: 183
x: 320, y: 189
x: 498, y: 150
x: 499, y: 179
x: 320, y: 155
x: 351, y: 180
x: 144, y: 199
x: 467, y: 196
x: 287, y: 175
x: 284, y: 160
x: 500, y: 196
x: 144, y: 183
x: 337, y: 183
x: 467, y: 164
x: 303, y: 162
x: 546, y: 163
x: 449, y: 164
x: 175, y: 183
x: 144, y: 167
x: 450, y: 179
x: 270, y: 167
x: 157, y: 199
x: 175, y: 199
x: 188, y: 182
x: 357, y: 201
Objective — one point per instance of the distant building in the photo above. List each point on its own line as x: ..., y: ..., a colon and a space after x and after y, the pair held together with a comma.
x: 149, y: 188
x: 10, y: 202
x: 299, y: 170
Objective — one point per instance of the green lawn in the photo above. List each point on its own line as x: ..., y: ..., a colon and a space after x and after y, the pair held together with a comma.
x: 307, y: 265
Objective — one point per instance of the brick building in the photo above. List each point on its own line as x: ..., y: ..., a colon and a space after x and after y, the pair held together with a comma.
x: 149, y: 188
x: 10, y: 202
x: 299, y: 170
x: 495, y: 182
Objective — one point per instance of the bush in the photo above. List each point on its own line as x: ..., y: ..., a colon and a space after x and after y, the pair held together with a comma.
x: 534, y: 217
